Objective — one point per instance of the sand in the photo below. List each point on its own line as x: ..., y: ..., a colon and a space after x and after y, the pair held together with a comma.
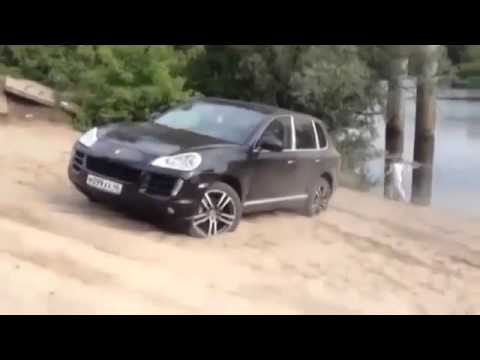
x: 60, y: 254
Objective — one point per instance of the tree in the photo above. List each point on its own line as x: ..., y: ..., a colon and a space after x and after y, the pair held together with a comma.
x: 457, y: 53
x: 333, y: 82
x: 129, y: 82
x: 330, y: 81
x: 213, y: 71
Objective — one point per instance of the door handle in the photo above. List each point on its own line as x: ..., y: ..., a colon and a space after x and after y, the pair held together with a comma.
x: 318, y: 161
x: 291, y: 162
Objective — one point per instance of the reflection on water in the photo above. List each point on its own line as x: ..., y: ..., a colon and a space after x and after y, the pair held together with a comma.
x: 456, y: 183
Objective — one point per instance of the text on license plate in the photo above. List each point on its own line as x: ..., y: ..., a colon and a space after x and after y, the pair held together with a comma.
x: 104, y: 185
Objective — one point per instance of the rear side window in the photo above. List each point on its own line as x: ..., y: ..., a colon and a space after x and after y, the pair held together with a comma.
x: 281, y: 128
x: 305, y: 134
x: 322, y: 138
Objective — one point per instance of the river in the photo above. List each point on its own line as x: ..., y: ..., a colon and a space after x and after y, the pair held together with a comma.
x: 456, y: 183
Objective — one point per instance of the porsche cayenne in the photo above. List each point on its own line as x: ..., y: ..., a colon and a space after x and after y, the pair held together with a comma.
x: 207, y: 162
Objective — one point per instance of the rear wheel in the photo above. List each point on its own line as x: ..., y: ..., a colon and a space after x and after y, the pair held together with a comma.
x: 219, y: 212
x: 319, y: 198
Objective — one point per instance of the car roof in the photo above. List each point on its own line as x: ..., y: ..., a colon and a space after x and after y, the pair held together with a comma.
x: 268, y: 110
x: 262, y: 108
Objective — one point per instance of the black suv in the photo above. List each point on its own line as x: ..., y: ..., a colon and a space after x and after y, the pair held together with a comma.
x: 207, y: 162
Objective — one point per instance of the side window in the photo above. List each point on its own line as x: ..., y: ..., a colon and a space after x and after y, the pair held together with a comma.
x: 305, y: 134
x: 322, y: 139
x: 281, y: 128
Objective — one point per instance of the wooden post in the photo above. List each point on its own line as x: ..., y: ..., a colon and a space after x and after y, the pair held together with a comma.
x: 395, y: 124
x: 426, y: 120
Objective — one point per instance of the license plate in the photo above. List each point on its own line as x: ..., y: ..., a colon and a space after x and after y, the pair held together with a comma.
x: 104, y: 185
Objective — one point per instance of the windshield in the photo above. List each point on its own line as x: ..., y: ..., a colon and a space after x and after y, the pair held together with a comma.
x: 225, y: 122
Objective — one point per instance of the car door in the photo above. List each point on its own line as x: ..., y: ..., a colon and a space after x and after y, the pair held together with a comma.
x: 327, y: 159
x: 306, y: 152
x: 274, y: 174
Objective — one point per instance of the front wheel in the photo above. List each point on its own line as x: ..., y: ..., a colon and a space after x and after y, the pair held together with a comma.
x: 318, y: 198
x: 219, y: 212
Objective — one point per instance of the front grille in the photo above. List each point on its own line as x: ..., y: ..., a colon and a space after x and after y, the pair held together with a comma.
x: 161, y: 185
x: 113, y: 170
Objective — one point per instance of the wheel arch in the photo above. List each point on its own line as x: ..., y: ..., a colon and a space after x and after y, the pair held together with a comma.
x: 327, y: 176
x: 234, y: 183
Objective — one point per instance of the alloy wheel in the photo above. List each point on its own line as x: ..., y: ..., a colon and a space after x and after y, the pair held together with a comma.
x: 216, y: 214
x: 321, y: 198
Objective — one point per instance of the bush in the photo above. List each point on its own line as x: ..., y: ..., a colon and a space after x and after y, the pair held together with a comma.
x: 129, y: 82
x: 473, y: 83
x: 469, y: 70
x: 109, y: 82
x: 53, y: 65
x: 473, y: 53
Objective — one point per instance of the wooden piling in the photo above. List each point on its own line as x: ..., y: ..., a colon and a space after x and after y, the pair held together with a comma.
x: 395, y: 124
x: 426, y: 120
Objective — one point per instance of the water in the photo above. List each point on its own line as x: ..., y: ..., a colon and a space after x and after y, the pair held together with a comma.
x: 456, y: 183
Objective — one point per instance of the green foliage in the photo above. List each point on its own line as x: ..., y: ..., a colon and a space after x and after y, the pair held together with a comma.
x: 109, y: 82
x: 469, y: 69
x: 336, y: 83
x: 128, y: 83
x: 457, y: 53
x: 213, y: 72
x: 329, y: 81
x: 333, y: 82
x: 473, y: 83
x: 472, y: 53
x: 445, y: 67
x: 379, y: 58
x: 467, y: 59
x: 53, y: 65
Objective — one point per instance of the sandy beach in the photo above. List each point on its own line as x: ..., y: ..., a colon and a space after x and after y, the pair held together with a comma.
x: 60, y: 254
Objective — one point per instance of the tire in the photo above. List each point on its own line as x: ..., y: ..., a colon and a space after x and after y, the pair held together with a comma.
x: 319, y: 198
x: 219, y: 212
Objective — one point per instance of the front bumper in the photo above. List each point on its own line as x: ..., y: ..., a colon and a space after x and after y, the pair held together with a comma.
x: 182, y: 205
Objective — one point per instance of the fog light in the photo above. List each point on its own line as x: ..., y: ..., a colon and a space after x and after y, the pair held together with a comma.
x: 171, y: 211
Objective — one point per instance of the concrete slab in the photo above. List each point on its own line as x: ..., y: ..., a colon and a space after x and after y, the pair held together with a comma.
x: 31, y: 90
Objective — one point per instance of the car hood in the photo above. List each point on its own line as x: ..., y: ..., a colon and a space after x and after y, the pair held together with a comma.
x: 152, y: 139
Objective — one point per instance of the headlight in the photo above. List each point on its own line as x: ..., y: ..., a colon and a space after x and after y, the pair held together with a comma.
x: 183, y: 162
x: 89, y: 138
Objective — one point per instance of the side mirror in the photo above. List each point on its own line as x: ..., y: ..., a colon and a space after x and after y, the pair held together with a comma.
x: 271, y: 143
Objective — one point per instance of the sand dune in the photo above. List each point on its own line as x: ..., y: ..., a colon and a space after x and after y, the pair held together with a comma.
x: 59, y: 254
